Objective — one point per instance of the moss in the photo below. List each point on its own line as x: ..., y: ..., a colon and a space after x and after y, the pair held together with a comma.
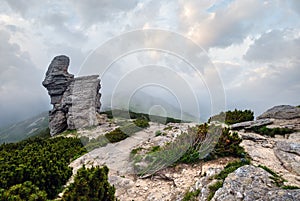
x: 278, y: 180
x: 191, y: 195
x: 213, y: 188
x: 231, y: 167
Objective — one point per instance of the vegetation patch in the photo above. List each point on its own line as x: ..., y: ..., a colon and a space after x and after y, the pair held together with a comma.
x: 90, y: 184
x: 190, y: 147
x: 134, y: 115
x: 231, y: 167
x: 24, y: 191
x: 290, y: 187
x: 72, y: 133
x: 125, y: 130
x: 116, y: 135
x: 43, y: 162
x: 142, y: 123
x: 232, y: 117
x: 191, y: 195
x: 213, y: 188
x: 278, y: 180
x: 263, y: 130
x: 167, y: 128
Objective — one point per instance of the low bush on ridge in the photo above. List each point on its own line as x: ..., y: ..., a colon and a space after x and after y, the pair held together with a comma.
x: 201, y: 142
x: 232, y: 117
x: 263, y: 130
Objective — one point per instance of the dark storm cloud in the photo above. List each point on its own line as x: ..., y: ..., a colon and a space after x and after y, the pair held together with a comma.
x: 21, y: 93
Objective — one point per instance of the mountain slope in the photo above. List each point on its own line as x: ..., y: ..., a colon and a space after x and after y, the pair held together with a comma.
x: 24, y: 129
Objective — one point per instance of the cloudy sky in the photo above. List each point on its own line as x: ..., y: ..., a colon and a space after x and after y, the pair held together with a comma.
x: 253, y: 44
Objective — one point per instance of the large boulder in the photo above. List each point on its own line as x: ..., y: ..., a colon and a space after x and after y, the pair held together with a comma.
x: 281, y: 112
x: 252, y: 183
x: 288, y: 154
x: 76, y: 101
x: 251, y: 124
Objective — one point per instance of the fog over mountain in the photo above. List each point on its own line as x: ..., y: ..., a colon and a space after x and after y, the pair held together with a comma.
x: 250, y: 50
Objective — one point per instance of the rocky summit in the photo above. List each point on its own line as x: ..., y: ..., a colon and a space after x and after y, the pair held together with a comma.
x: 76, y: 101
x: 272, y: 174
x: 281, y: 112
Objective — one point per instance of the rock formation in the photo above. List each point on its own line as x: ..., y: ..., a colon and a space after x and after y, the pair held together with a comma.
x: 76, y: 101
x: 251, y: 124
x: 281, y: 112
x: 253, y: 183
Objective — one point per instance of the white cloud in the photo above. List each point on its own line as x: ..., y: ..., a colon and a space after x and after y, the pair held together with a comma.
x: 274, y: 46
x: 254, y: 44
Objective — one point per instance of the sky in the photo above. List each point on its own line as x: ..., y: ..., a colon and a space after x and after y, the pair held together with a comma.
x: 252, y: 47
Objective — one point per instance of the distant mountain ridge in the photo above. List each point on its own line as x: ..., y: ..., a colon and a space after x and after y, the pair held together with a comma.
x: 24, y: 129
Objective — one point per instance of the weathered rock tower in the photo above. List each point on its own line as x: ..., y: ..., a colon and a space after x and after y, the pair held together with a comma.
x: 76, y: 101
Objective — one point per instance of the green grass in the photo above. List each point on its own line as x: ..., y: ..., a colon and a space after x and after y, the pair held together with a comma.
x: 278, y: 180
x: 231, y: 167
x: 290, y: 187
x: 213, y: 188
x: 191, y: 195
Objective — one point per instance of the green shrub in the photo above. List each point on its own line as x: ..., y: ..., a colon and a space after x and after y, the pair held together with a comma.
x: 191, y: 147
x: 44, y: 162
x: 232, y: 117
x: 142, y: 123
x: 263, y: 130
x: 116, y: 135
x: 24, y: 191
x: 90, y: 185
x: 290, y: 187
x: 228, y: 145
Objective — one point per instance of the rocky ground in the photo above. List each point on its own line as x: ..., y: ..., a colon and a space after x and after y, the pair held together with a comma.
x: 280, y: 154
